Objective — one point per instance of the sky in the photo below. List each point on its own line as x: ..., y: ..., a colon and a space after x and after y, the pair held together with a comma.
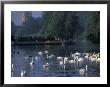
x: 16, y: 16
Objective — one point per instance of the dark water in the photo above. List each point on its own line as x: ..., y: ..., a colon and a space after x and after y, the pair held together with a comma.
x: 54, y: 69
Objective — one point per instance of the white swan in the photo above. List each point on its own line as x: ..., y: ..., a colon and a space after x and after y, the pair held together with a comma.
x: 61, y: 63
x: 98, y: 55
x: 59, y: 58
x: 36, y: 58
x: 76, y: 58
x: 26, y: 57
x: 82, y: 72
x: 86, y: 57
x: 80, y: 61
x: 46, y: 52
x: 77, y: 54
x: 98, y: 63
x: 47, y: 56
x: 40, y: 53
x: 23, y: 72
x: 46, y: 65
x: 31, y: 63
x: 93, y: 60
x: 51, y: 56
x: 71, y: 61
x: 84, y: 54
x: 94, y: 55
x: 12, y: 66
x: 65, y: 59
x: 87, y: 54
x: 72, y: 55
x: 98, y: 59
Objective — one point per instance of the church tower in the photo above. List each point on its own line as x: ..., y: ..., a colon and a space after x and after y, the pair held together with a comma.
x: 26, y: 15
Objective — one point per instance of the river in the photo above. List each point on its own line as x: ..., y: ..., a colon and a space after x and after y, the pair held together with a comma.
x: 22, y: 55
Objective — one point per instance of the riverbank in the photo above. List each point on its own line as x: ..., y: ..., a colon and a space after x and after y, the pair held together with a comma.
x: 43, y: 43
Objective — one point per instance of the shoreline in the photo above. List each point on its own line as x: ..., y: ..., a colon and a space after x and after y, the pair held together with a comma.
x: 43, y: 43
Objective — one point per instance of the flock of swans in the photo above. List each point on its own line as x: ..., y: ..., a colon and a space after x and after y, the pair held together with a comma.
x: 78, y: 60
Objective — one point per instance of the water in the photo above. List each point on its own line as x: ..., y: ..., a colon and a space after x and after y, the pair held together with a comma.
x: 20, y: 62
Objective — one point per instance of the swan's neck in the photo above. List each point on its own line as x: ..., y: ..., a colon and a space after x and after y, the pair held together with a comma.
x: 86, y: 67
x: 32, y: 61
x: 47, y: 56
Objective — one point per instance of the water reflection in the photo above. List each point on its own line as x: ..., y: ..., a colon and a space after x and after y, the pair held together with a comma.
x: 54, y: 61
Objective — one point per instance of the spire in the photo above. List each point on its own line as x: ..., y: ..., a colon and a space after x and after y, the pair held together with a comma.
x: 26, y: 15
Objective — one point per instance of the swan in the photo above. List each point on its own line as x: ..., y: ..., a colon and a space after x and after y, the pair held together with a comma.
x: 87, y: 54
x: 71, y: 61
x: 23, y: 73
x: 12, y: 66
x: 84, y: 54
x: 65, y: 59
x: 51, y: 56
x: 98, y: 59
x: 82, y: 72
x: 97, y: 63
x: 46, y: 52
x: 40, y: 53
x: 77, y: 54
x: 80, y: 61
x: 86, y: 57
x: 59, y: 58
x: 46, y: 65
x: 98, y: 55
x: 31, y: 63
x: 94, y: 55
x: 26, y: 57
x: 93, y: 59
x: 47, y: 56
x: 61, y: 63
x: 36, y: 58
x: 76, y: 57
x: 72, y: 55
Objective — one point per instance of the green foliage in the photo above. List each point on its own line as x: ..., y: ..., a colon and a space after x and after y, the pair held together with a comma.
x: 63, y: 25
x: 94, y: 28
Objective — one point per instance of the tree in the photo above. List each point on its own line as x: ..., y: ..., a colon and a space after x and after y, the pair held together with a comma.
x: 61, y: 24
